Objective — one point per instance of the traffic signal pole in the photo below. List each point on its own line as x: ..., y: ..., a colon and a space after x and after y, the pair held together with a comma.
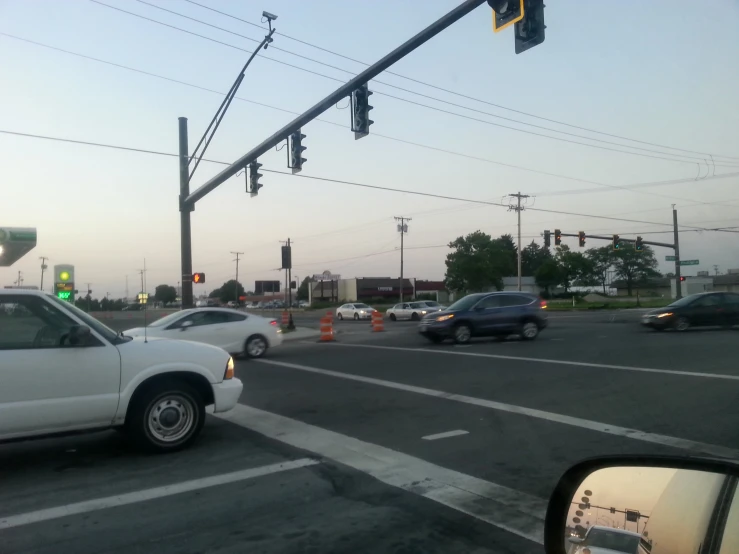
x: 185, y: 209
x: 678, y: 283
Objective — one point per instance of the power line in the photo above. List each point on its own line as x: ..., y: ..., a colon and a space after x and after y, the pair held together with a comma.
x: 403, y: 141
x: 412, y: 92
x: 461, y: 95
x: 702, y: 159
x: 351, y: 183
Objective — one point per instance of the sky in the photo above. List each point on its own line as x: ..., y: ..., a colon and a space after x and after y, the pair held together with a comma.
x: 665, y: 74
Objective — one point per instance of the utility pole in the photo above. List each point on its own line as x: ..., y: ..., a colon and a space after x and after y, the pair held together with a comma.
x: 715, y: 269
x: 126, y: 290
x: 518, y: 208
x: 402, y: 229
x: 19, y: 282
x: 236, y: 286
x: 88, y: 296
x: 185, y: 209
x: 43, y: 268
x: 678, y: 284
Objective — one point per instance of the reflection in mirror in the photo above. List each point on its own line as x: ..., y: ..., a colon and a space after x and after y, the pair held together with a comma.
x: 651, y: 510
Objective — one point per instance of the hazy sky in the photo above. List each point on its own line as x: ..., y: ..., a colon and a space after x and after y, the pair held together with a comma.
x: 665, y: 73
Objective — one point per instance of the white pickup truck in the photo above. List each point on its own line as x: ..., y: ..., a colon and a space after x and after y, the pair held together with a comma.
x: 61, y: 370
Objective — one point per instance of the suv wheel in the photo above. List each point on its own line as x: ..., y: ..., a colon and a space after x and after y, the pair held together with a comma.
x: 529, y: 330
x: 166, y: 416
x: 462, y: 333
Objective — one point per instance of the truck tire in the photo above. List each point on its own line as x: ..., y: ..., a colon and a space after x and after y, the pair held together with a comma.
x: 166, y: 416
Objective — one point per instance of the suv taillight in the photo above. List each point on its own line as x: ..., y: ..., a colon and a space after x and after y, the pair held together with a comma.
x: 542, y: 304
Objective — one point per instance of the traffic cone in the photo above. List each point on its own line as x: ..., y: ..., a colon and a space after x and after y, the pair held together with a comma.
x: 377, y: 324
x: 327, y: 330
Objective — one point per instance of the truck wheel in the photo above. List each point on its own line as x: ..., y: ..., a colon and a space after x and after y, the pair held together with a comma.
x: 166, y: 416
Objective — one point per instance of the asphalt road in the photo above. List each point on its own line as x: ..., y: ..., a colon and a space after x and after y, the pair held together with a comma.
x: 333, y: 449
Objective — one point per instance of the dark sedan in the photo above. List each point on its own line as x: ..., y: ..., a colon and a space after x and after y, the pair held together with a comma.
x: 697, y: 310
x: 496, y: 314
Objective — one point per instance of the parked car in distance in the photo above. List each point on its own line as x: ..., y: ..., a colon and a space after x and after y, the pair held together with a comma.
x: 355, y: 310
x: 64, y: 371
x: 697, y: 310
x: 496, y: 314
x: 232, y: 304
x: 410, y: 310
x: 235, y: 332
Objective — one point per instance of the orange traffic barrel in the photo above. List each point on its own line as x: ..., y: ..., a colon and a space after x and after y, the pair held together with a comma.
x: 327, y: 330
x: 377, y: 323
x: 285, y: 317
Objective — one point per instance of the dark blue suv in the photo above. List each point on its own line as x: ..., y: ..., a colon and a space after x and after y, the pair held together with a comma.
x: 487, y: 314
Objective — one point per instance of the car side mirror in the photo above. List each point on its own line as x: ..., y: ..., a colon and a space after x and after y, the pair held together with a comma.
x: 185, y: 325
x: 644, y: 504
x: 78, y: 335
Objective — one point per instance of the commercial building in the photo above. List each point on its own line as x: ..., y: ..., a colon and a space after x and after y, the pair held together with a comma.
x: 374, y: 289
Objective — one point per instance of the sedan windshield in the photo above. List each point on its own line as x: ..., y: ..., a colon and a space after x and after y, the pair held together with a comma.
x: 466, y: 303
x: 167, y: 319
x: 613, y: 540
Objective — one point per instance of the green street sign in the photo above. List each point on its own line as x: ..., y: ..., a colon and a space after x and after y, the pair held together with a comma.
x: 688, y: 262
x: 669, y: 258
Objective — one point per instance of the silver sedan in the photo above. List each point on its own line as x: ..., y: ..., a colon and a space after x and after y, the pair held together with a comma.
x: 410, y: 310
x: 354, y: 311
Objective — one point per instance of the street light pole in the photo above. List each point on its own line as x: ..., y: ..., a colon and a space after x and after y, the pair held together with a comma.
x: 678, y: 283
x: 43, y: 268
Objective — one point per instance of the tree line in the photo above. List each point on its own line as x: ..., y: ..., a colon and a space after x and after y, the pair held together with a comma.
x: 478, y: 262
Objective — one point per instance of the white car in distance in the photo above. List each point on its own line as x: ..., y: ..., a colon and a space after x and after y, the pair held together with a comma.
x: 63, y: 371
x: 411, y: 310
x: 238, y: 333
x: 354, y: 311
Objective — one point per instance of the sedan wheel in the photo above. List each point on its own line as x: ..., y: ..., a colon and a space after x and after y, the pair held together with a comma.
x: 462, y: 334
x: 682, y: 324
x: 356, y: 317
x: 255, y: 347
x: 414, y: 317
x: 393, y: 318
x: 340, y: 316
x: 529, y: 330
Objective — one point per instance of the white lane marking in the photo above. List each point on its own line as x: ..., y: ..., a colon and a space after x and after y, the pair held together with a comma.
x: 445, y: 435
x: 548, y: 361
x: 636, y: 434
x: 7, y: 522
x: 509, y: 509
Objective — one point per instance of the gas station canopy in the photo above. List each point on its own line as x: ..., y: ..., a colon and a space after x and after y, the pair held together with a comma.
x: 15, y: 242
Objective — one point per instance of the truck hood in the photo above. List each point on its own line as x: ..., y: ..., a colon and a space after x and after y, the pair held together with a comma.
x: 157, y: 351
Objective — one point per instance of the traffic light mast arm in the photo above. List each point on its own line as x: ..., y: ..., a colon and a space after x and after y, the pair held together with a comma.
x: 609, y: 238
x: 342, y: 92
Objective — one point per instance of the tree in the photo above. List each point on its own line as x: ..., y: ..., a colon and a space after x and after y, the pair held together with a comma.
x: 478, y: 262
x: 601, y: 261
x: 215, y: 293
x: 635, y: 267
x: 165, y: 294
x: 532, y: 257
x: 230, y: 290
x: 303, y: 288
x: 573, y: 266
x: 548, y: 274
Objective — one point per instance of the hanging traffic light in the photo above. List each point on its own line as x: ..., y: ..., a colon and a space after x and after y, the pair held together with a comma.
x: 557, y: 237
x: 547, y: 239
x: 295, y: 157
x: 581, y: 238
x: 529, y: 31
x: 360, y: 111
x: 638, y: 244
x: 682, y: 278
x: 616, y: 242
x: 198, y: 278
x: 254, y: 176
x: 506, y: 13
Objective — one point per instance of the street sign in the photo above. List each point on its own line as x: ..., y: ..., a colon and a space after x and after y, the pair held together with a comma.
x: 688, y: 262
x: 669, y: 258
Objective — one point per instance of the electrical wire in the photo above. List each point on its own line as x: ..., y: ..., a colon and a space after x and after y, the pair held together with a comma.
x: 420, y: 104
x: 701, y: 159
x: 350, y: 183
x: 403, y: 141
x: 448, y: 91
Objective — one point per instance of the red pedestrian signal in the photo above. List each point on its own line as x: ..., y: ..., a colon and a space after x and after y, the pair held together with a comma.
x: 198, y: 278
